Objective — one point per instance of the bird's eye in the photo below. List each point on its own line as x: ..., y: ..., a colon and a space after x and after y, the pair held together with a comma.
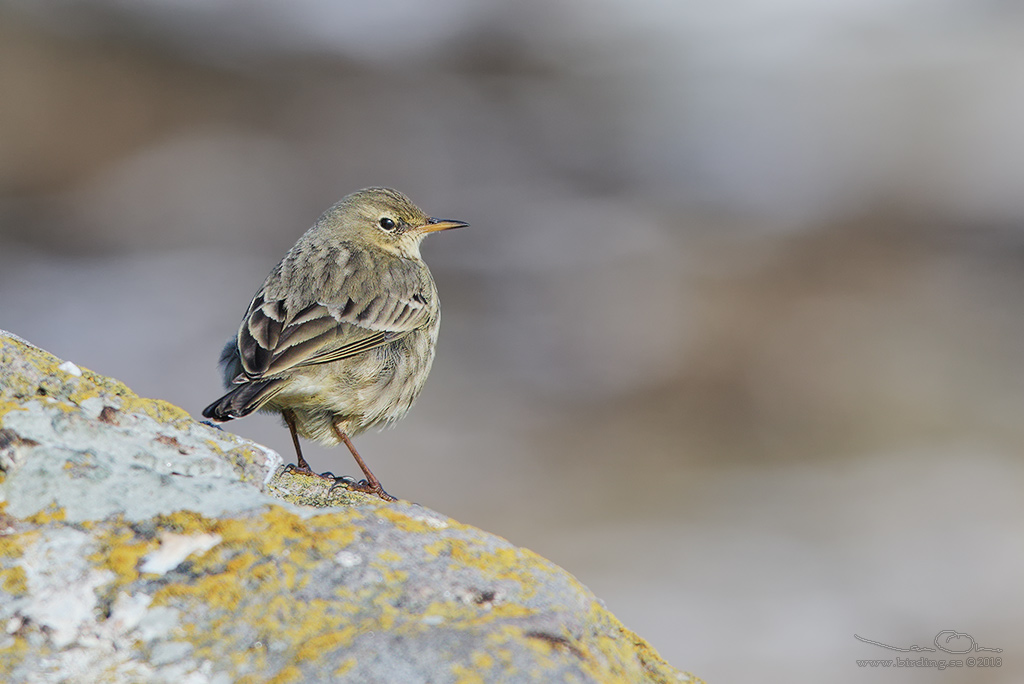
x: 387, y: 224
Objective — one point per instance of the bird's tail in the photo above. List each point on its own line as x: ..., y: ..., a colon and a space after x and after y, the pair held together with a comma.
x: 243, y: 400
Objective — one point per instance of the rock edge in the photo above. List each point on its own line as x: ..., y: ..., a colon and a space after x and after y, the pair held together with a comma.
x: 137, y: 544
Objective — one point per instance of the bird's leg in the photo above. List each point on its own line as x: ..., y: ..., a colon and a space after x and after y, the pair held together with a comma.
x: 301, y: 466
x: 371, y: 485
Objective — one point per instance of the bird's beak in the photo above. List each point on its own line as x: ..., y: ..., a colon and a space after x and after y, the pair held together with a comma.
x: 435, y: 224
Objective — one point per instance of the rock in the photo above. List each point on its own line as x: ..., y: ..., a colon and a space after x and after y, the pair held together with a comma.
x: 139, y: 545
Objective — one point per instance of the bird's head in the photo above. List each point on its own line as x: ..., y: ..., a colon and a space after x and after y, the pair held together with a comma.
x: 386, y: 219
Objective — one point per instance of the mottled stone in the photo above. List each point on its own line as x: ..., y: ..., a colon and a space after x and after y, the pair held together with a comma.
x: 139, y: 545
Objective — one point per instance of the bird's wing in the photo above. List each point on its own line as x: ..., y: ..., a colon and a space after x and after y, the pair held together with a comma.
x: 328, y: 304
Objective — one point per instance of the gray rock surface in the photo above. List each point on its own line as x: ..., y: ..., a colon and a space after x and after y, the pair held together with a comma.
x: 139, y: 545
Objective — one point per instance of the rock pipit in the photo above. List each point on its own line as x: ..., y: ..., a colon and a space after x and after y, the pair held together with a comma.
x: 341, y: 336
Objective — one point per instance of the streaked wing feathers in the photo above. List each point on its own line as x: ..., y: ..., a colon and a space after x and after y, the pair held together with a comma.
x: 363, y: 306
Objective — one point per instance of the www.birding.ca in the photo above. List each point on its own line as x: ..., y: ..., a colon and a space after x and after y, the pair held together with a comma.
x: 341, y: 335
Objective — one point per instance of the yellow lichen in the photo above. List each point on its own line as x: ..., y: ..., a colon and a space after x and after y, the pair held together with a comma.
x: 391, y: 577
x: 540, y: 647
x: 265, y: 556
x: 76, y: 390
x: 317, y: 645
x: 389, y: 556
x: 191, y: 522
x: 248, y: 581
x: 14, y: 580
x: 482, y: 661
x: 220, y: 591
x: 436, y: 548
x: 121, y: 553
x: 11, y: 544
x: 158, y: 409
x: 288, y: 674
x: 264, y: 571
x: 51, y: 513
x: 345, y: 667
x: 7, y: 406
x: 466, y: 675
x: 517, y: 565
x: 510, y: 610
x: 404, y: 522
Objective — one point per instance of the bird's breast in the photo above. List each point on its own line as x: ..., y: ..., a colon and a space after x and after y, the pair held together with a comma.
x: 370, y: 389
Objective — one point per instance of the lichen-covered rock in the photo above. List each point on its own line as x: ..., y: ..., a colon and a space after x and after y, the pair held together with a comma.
x: 139, y: 545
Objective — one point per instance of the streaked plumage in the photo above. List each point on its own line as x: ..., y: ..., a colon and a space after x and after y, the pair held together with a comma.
x: 341, y: 335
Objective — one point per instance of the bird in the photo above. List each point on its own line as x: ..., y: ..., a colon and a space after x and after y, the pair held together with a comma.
x: 341, y: 335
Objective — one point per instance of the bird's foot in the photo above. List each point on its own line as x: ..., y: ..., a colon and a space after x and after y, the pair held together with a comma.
x: 343, y: 481
x: 306, y: 470
x: 360, y: 486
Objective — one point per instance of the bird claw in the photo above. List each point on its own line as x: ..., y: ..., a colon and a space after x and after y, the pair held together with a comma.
x: 361, y: 486
x: 299, y: 470
x: 341, y: 481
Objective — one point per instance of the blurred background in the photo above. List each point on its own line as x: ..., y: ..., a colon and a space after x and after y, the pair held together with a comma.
x: 736, y: 333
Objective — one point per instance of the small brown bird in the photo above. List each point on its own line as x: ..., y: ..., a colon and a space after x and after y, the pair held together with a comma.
x: 341, y: 336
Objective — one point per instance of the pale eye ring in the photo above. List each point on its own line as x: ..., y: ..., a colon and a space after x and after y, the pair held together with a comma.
x: 387, y: 224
